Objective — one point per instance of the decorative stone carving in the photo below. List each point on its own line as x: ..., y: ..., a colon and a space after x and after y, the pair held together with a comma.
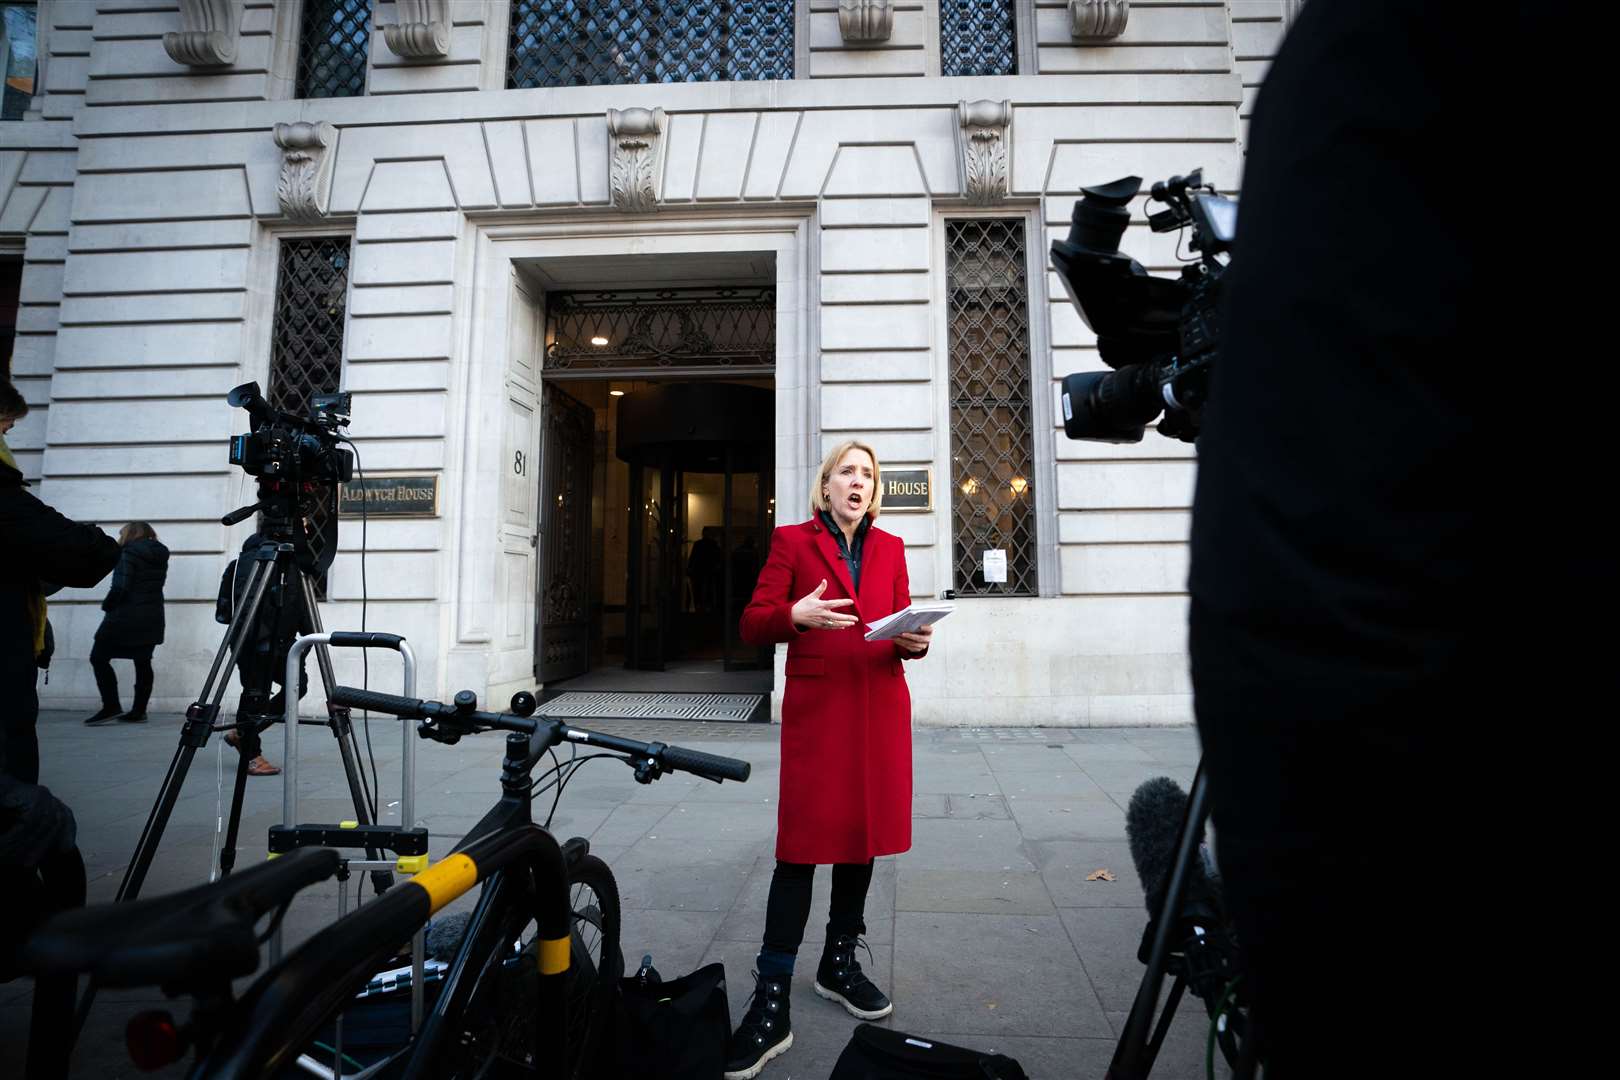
x: 1097, y: 20
x: 864, y: 22
x: 985, y: 130
x: 637, y: 152
x: 423, y: 29
x: 306, y: 169
x: 211, y: 31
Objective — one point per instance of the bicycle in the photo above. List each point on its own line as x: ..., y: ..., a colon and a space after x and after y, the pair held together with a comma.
x: 510, y: 1000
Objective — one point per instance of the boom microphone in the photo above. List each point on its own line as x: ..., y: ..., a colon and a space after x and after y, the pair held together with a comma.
x: 1153, y: 823
x: 444, y: 936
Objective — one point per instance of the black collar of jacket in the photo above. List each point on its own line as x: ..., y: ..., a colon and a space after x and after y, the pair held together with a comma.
x: 10, y: 477
x: 850, y: 550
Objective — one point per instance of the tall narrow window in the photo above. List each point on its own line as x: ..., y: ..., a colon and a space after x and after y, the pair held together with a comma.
x: 19, y: 34
x: 599, y: 42
x: 978, y: 37
x: 992, y: 429
x: 306, y: 348
x: 332, y: 46
x: 10, y: 300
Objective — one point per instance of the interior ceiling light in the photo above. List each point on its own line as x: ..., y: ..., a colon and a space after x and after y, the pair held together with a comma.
x: 616, y: 393
x: 599, y: 340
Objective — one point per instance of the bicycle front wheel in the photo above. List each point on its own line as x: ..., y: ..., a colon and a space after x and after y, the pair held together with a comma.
x: 596, y: 960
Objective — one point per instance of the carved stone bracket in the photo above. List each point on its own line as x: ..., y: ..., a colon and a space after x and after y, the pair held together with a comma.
x: 211, y: 31
x: 865, y: 22
x: 1098, y: 20
x: 986, y: 127
x: 423, y: 29
x: 306, y: 169
x: 636, y: 158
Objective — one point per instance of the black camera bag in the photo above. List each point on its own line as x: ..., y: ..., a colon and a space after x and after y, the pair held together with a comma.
x: 876, y: 1053
x: 676, y: 1030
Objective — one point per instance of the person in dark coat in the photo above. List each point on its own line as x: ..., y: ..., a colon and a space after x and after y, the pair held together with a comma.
x: 37, y: 546
x: 133, y: 624
x: 846, y: 739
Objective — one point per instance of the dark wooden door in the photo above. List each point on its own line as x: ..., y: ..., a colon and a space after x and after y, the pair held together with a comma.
x: 563, y: 605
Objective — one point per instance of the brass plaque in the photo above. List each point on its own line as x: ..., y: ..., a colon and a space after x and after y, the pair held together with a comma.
x: 391, y: 496
x: 907, y: 489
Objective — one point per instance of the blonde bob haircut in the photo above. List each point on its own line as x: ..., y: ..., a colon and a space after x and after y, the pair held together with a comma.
x: 818, y: 500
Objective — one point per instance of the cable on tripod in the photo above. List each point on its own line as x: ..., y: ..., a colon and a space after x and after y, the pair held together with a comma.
x: 365, y: 658
x: 1214, y: 1026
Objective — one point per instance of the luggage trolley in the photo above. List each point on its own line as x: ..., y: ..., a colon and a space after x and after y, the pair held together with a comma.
x: 408, y: 842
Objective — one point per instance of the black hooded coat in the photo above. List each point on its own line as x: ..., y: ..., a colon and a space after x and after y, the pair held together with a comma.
x: 134, y: 604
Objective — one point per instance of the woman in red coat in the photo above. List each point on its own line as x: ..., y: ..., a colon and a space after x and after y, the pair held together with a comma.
x: 846, y: 739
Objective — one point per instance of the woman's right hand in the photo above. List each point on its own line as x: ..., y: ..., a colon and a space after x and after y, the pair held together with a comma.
x: 814, y: 613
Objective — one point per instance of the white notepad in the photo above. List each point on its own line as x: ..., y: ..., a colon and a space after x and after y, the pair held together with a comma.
x: 912, y: 618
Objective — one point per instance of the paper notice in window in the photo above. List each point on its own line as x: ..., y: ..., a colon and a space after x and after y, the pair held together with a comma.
x: 995, y: 565
x: 912, y: 618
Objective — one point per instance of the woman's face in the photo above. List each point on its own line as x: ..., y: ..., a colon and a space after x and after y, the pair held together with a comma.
x: 6, y: 423
x: 849, y: 489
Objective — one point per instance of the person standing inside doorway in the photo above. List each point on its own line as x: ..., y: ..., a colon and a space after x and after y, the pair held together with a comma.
x: 846, y: 739
x: 133, y: 624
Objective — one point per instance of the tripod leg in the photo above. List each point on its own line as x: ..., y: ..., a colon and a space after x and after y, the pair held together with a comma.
x: 158, y: 820
x: 1132, y: 1056
x: 338, y: 721
x: 247, y: 749
x: 193, y: 735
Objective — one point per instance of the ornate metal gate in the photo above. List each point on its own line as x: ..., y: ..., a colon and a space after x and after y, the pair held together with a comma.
x: 565, y: 514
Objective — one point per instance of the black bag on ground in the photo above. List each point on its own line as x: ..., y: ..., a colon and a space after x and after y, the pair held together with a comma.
x: 674, y: 1030
x: 876, y: 1053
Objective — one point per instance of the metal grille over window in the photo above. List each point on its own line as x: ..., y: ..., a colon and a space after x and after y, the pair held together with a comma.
x: 978, y: 37
x: 332, y: 48
x: 306, y: 347
x: 652, y: 329
x: 603, y: 42
x: 992, y: 430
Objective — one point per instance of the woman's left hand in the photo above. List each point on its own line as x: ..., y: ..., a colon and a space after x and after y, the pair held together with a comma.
x: 916, y: 641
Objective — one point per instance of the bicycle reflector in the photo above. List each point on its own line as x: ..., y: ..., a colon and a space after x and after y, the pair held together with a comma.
x: 154, y: 1040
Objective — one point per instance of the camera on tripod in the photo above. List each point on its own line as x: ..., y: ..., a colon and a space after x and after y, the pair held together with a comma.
x: 299, y: 449
x: 298, y: 462
x: 1160, y: 335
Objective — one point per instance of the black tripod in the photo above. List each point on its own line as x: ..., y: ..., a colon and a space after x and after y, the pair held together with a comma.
x: 278, y: 589
x: 1200, y: 961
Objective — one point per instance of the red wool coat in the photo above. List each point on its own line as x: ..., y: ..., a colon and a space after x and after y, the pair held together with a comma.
x: 846, y: 712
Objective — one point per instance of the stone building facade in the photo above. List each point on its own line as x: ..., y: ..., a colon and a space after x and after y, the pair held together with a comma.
x: 173, y: 156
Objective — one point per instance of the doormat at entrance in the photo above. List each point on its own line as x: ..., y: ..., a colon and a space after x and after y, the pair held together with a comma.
x: 647, y: 705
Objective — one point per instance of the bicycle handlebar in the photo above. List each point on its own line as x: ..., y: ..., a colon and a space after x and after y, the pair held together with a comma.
x: 462, y: 716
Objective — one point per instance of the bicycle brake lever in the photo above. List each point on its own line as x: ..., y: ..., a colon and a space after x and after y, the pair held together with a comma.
x: 429, y: 729
x: 648, y: 769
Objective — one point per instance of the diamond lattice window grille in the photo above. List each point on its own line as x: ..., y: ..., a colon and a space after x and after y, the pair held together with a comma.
x: 992, y: 425
x: 978, y: 37
x: 332, y: 46
x: 306, y: 346
x: 661, y: 328
x: 605, y: 42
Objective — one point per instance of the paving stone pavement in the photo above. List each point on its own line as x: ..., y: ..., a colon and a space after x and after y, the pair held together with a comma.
x: 987, y: 933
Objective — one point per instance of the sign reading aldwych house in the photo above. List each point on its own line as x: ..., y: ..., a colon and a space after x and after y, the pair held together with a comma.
x: 907, y: 489
x: 391, y: 496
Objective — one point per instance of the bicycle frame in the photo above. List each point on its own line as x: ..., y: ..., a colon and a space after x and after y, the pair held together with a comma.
x: 282, y: 1011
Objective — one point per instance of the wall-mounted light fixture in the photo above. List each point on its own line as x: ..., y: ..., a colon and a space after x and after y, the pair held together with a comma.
x: 599, y: 340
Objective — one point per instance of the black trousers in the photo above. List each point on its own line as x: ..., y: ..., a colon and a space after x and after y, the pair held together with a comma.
x: 788, y: 908
x: 107, y: 682
x: 19, y: 739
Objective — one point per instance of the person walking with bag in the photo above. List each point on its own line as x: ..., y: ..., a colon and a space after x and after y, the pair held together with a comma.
x: 133, y: 624
x: 846, y: 739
